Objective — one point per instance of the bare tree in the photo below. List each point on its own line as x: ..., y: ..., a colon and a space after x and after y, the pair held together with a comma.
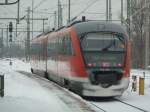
x: 139, y: 22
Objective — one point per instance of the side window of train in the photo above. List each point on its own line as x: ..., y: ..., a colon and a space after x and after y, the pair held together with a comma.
x: 49, y: 48
x: 63, y: 50
x: 66, y: 45
x: 40, y: 51
x: 43, y: 50
x: 69, y: 45
x: 60, y: 48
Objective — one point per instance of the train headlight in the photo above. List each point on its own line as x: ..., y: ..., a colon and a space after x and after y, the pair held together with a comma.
x: 119, y: 65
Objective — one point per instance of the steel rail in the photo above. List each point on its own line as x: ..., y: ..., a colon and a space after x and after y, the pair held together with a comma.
x: 131, y: 105
x: 98, y: 107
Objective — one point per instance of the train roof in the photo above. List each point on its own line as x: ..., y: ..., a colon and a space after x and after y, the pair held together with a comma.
x: 95, y: 26
x: 82, y: 27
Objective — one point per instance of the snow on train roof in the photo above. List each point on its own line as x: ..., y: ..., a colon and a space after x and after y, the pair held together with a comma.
x: 94, y: 26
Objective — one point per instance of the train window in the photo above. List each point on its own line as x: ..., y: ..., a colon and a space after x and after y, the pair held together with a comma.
x: 43, y: 50
x: 69, y: 49
x: 35, y: 50
x: 40, y: 51
x: 62, y: 46
x: 51, y: 48
x: 103, y: 41
x: 103, y: 49
x: 67, y: 45
x: 59, y: 45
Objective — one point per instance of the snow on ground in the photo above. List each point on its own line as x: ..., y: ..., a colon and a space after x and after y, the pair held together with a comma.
x: 23, y: 94
x: 130, y: 97
x: 142, y: 101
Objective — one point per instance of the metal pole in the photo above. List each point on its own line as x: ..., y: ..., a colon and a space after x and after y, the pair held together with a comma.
x: 16, y: 28
x: 128, y: 16
x: 43, y: 25
x: 18, y: 18
x: 7, y: 39
x: 69, y: 11
x: 55, y: 18
x: 122, y: 12
x: 148, y: 38
x: 32, y: 16
x: 147, y: 45
x: 61, y: 18
x: 1, y: 41
x: 110, y: 13
x: 6, y: 1
x: 28, y: 35
x: 146, y: 50
x: 58, y: 14
x: 10, y: 44
x: 106, y: 10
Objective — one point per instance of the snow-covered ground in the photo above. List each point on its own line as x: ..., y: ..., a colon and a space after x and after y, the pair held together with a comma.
x: 25, y: 93
x: 130, y: 97
x: 142, y: 101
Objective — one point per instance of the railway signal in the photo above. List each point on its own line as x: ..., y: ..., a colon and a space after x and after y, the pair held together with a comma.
x: 10, y: 27
x: 10, y: 38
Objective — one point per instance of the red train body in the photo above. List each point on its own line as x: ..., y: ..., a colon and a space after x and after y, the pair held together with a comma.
x: 91, y: 58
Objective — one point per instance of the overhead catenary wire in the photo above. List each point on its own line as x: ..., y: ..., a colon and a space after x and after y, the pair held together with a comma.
x: 94, y: 13
x: 40, y: 3
x: 7, y: 10
x: 86, y: 8
x: 10, y: 3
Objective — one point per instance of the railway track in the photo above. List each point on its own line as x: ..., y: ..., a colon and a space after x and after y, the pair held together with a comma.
x: 131, y: 105
x: 112, y: 105
x: 115, y: 105
x: 98, y: 107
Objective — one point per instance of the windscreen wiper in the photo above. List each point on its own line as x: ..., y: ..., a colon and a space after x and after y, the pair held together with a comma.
x: 110, y: 45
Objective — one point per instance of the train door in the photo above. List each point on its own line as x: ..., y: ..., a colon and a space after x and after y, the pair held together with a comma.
x: 61, y: 58
x: 64, y: 55
x: 52, y: 57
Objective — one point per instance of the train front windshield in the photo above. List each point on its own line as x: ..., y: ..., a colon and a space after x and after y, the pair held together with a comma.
x: 103, y: 49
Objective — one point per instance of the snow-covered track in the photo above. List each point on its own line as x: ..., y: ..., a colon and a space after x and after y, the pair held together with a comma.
x: 98, y: 107
x: 114, y: 105
x: 138, y: 108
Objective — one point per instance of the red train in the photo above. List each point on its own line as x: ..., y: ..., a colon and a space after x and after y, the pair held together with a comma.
x: 91, y: 58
